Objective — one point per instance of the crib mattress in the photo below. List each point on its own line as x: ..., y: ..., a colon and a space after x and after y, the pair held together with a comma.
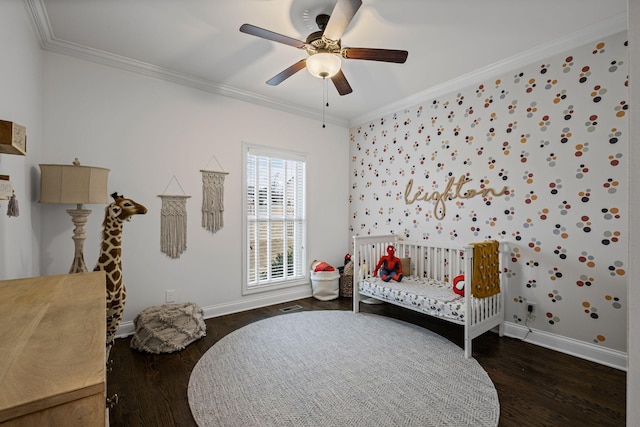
x: 429, y: 296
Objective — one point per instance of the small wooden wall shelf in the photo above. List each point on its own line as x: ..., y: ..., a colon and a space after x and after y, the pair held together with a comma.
x: 13, y: 138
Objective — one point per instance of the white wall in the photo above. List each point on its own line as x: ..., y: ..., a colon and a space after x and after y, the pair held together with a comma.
x: 147, y: 131
x: 20, y: 102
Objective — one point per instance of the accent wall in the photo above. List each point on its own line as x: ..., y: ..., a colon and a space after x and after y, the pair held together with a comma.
x: 537, y: 158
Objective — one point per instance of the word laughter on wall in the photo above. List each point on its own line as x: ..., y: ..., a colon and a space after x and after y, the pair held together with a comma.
x: 453, y: 190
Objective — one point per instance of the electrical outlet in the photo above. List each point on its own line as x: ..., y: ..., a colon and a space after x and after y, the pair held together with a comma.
x: 170, y: 295
x: 531, y: 308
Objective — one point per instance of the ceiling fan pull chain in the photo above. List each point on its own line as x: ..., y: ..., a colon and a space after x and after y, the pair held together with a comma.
x: 326, y: 91
x: 325, y: 100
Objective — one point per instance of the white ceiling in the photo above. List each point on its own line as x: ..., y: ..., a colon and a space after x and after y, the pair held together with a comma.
x: 197, y: 43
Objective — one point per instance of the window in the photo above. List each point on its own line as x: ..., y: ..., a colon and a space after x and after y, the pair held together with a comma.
x: 274, y: 219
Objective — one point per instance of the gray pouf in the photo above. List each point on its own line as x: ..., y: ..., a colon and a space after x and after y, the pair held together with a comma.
x: 168, y: 328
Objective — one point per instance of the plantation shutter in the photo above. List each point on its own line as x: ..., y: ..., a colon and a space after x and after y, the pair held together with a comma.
x: 276, y: 220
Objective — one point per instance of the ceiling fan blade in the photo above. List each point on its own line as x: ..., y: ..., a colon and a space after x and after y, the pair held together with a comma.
x: 270, y: 35
x: 342, y: 14
x: 285, y: 74
x: 384, y: 55
x: 341, y: 83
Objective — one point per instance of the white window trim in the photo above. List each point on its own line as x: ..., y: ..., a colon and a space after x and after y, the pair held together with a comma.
x: 271, y: 152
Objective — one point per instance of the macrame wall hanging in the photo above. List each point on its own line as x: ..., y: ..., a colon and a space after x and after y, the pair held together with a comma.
x: 173, y: 222
x: 213, y: 198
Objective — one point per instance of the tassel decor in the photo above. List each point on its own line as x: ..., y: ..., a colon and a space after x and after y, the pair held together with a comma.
x: 13, y: 208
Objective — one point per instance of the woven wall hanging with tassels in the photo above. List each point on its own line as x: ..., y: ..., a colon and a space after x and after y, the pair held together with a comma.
x: 213, y: 198
x: 173, y: 222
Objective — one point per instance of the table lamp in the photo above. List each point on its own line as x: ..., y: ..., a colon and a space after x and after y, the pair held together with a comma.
x: 75, y: 184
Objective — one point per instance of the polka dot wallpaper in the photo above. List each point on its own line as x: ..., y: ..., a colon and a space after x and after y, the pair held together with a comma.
x: 536, y: 158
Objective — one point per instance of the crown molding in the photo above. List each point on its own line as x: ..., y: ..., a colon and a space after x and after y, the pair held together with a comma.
x: 50, y: 43
x: 604, y: 28
x: 40, y: 20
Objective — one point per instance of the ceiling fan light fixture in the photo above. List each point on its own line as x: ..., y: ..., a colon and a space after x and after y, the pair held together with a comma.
x: 323, y: 65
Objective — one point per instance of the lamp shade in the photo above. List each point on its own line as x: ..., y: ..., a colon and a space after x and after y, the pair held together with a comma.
x: 323, y: 64
x: 73, y: 184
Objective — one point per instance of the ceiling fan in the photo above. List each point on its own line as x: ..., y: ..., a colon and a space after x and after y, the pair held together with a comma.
x: 324, y: 47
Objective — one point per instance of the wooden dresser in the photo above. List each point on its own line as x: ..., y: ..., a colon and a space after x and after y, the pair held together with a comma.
x: 52, y: 351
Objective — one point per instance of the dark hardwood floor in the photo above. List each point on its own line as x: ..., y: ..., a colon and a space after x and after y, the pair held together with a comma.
x: 536, y: 386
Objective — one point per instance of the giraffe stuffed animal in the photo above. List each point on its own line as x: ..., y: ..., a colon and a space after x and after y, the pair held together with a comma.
x: 110, y: 260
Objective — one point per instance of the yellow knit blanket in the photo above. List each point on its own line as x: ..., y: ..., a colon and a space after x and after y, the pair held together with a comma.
x: 486, y: 269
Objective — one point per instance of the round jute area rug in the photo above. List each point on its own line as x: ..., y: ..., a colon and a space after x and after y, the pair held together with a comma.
x: 338, y: 368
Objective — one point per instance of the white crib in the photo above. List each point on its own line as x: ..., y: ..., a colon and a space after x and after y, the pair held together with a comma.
x: 427, y: 285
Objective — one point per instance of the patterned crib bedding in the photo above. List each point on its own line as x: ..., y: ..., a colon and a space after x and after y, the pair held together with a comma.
x: 425, y: 295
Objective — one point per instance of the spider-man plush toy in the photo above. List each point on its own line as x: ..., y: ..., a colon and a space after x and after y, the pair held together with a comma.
x: 390, y: 266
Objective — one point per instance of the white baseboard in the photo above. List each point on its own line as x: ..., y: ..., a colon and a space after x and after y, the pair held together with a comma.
x: 604, y: 356
x: 250, y: 304
x: 255, y: 301
x: 125, y: 329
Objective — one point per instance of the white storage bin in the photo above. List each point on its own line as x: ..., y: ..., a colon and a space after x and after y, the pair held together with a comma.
x: 325, y: 285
